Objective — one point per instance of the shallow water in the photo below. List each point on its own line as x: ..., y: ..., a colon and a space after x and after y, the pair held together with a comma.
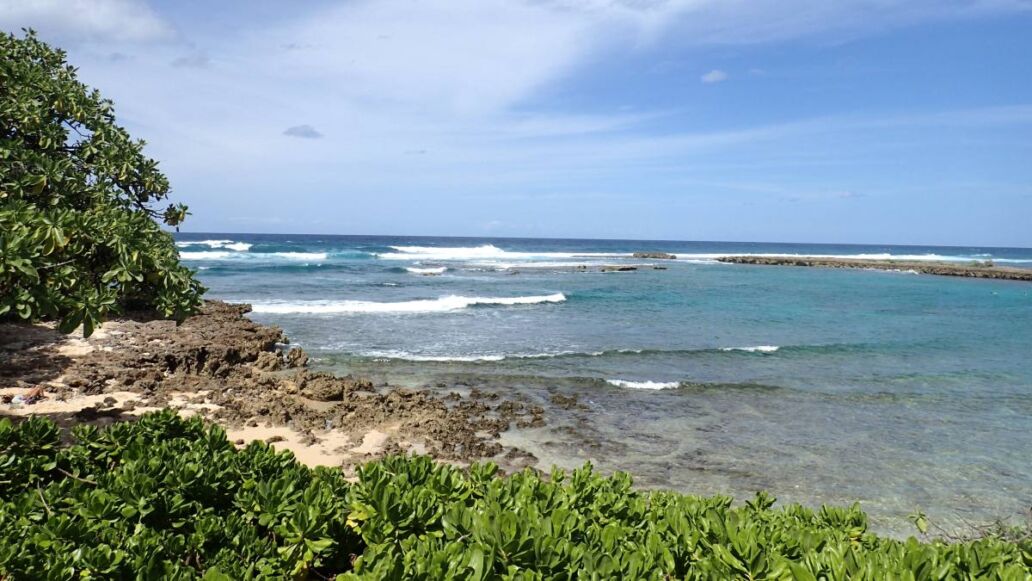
x: 898, y: 390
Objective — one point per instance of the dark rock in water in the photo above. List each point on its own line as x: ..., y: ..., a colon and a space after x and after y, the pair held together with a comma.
x: 655, y: 255
x: 655, y: 267
x: 618, y: 268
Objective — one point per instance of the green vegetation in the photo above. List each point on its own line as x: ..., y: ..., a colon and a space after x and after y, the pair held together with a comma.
x: 171, y: 498
x: 78, y: 232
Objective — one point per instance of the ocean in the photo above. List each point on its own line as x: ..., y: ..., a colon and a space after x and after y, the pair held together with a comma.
x: 901, y: 391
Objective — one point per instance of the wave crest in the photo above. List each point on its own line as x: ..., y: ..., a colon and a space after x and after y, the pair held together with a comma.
x: 756, y: 349
x: 427, y: 271
x: 440, y: 305
x: 227, y: 244
x: 644, y: 384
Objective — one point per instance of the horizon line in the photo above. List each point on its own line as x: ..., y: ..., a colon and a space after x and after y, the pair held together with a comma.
x: 650, y: 240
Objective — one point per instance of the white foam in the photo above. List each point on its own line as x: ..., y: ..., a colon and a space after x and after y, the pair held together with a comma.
x: 436, y: 358
x: 484, y: 252
x: 299, y: 255
x: 404, y: 355
x: 756, y: 349
x: 205, y: 255
x: 427, y: 271
x: 443, y: 304
x: 227, y: 244
x: 227, y: 255
x: 644, y: 384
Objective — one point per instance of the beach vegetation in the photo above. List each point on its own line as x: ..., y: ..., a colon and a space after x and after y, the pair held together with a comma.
x: 172, y: 498
x: 81, y: 205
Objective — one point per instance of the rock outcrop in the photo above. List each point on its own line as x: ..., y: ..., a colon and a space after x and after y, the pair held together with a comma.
x: 655, y: 255
x: 973, y: 270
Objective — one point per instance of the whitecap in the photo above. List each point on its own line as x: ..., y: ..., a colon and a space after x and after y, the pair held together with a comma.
x: 224, y: 244
x: 483, y: 252
x: 443, y: 304
x: 756, y: 349
x: 258, y: 256
x: 427, y: 271
x: 644, y: 384
x: 298, y: 255
x: 205, y: 255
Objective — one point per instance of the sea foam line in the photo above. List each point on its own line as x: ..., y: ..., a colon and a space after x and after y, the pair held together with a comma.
x: 756, y: 349
x: 644, y: 384
x: 486, y: 251
x: 225, y: 255
x: 443, y: 304
x: 494, y: 357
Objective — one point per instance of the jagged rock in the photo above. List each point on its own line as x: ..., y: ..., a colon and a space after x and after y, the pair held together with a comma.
x: 297, y: 357
x: 225, y: 355
x: 268, y: 361
x: 618, y: 268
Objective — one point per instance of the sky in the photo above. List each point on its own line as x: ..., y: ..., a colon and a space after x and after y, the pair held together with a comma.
x: 853, y: 121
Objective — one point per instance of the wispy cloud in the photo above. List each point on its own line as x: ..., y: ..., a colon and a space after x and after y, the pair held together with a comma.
x: 714, y: 76
x: 87, y: 20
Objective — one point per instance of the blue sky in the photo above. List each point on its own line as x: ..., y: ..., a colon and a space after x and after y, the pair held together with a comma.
x: 874, y: 121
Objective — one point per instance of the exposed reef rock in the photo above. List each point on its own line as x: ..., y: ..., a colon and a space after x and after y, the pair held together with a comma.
x: 655, y: 255
x: 239, y: 373
x: 972, y: 270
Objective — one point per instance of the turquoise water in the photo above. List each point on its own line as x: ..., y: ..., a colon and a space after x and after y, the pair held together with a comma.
x: 899, y: 390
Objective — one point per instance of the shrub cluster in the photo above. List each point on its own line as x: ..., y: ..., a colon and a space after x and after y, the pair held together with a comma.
x: 171, y: 498
x: 79, y: 232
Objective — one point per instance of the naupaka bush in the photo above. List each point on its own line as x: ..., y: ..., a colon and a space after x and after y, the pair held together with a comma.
x: 171, y: 498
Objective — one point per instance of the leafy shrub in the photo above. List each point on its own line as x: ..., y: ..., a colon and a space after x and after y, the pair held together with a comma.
x: 171, y: 498
x: 78, y: 230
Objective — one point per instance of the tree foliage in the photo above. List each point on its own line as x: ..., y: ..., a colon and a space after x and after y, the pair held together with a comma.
x: 79, y: 232
x: 168, y: 498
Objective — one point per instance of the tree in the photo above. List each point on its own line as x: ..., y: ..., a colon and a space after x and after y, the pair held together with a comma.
x: 79, y: 232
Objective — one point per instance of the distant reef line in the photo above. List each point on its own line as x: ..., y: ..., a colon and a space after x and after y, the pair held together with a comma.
x: 973, y: 270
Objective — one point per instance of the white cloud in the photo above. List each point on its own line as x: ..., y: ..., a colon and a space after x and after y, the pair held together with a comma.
x: 86, y: 20
x: 714, y: 76
x: 443, y: 95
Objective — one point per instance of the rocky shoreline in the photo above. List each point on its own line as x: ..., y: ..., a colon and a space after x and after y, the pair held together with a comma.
x: 247, y: 378
x: 974, y: 270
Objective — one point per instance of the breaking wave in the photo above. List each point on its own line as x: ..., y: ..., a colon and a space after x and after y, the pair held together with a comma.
x: 484, y: 252
x: 644, y: 384
x: 427, y: 271
x: 252, y: 256
x: 440, y: 305
x: 227, y: 244
x: 756, y: 349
